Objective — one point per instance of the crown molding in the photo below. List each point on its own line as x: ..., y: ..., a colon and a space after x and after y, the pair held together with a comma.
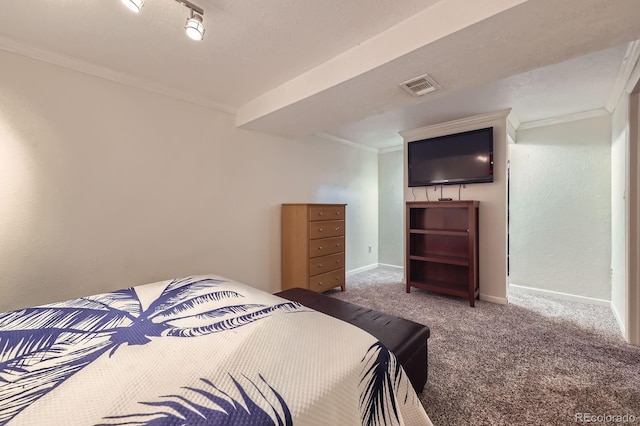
x: 634, y: 78
x: 330, y: 137
x: 391, y: 149
x: 512, y: 127
x: 108, y: 74
x: 625, y: 75
x: 564, y: 118
x: 513, y: 120
x: 449, y: 126
x: 347, y: 142
x: 632, y: 84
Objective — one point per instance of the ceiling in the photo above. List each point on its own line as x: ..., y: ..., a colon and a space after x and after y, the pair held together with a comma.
x: 297, y: 67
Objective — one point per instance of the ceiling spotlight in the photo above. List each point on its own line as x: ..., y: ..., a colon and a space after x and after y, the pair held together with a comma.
x: 194, y: 26
x: 134, y: 5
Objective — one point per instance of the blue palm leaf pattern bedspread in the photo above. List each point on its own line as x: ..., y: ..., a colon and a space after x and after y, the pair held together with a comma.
x: 195, y: 351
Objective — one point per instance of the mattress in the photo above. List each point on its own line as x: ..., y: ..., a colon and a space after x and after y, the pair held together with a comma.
x: 200, y: 350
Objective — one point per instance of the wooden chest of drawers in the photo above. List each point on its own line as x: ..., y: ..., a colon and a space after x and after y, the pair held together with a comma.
x: 313, y: 246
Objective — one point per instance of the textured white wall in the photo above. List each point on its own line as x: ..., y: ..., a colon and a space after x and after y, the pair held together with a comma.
x: 104, y: 186
x: 619, y: 145
x: 391, y: 208
x: 633, y: 219
x: 493, y: 203
x: 560, y: 210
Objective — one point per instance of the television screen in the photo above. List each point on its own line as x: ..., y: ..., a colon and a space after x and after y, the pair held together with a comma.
x: 452, y: 159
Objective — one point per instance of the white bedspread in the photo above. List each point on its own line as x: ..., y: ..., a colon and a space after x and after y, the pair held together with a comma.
x: 200, y: 350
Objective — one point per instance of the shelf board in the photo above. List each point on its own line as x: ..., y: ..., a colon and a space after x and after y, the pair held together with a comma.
x: 459, y: 233
x: 452, y: 288
x: 449, y: 260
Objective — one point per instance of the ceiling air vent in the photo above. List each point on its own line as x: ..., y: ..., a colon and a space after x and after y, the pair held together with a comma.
x: 420, y: 85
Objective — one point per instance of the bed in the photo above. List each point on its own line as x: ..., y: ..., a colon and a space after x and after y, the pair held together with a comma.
x: 196, y: 350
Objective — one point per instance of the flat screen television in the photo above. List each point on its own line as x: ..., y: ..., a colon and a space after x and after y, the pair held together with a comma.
x: 465, y: 157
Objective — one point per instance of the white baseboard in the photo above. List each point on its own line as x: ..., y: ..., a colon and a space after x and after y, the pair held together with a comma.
x: 616, y: 314
x: 563, y: 296
x: 362, y: 269
x: 494, y: 299
x: 373, y: 266
x: 386, y: 265
x: 485, y: 297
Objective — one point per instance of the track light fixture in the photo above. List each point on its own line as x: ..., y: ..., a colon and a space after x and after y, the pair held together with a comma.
x: 194, y: 26
x: 134, y: 5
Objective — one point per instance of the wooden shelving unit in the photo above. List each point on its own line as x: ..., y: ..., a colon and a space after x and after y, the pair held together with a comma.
x: 442, y: 247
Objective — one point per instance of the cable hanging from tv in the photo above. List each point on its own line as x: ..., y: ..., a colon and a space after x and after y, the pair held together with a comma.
x: 442, y: 197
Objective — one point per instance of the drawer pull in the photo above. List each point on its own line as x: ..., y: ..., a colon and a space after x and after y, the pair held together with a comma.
x: 338, y: 213
x: 320, y: 214
x: 320, y: 248
x: 320, y: 230
x: 337, y: 228
x: 338, y: 245
x: 337, y: 261
x: 337, y: 278
x: 320, y: 265
x: 319, y: 282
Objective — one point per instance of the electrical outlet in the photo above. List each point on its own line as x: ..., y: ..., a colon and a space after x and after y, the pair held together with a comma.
x: 369, y: 249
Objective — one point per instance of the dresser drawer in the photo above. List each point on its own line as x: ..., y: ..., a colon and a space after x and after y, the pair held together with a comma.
x: 320, y: 265
x: 326, y: 246
x: 326, y: 212
x: 313, y: 244
x: 327, y: 281
x: 326, y: 228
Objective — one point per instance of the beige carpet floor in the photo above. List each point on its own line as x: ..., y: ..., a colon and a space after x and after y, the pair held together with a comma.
x: 536, y: 361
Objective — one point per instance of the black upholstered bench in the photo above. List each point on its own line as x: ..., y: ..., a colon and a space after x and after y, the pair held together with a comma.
x: 406, y: 339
